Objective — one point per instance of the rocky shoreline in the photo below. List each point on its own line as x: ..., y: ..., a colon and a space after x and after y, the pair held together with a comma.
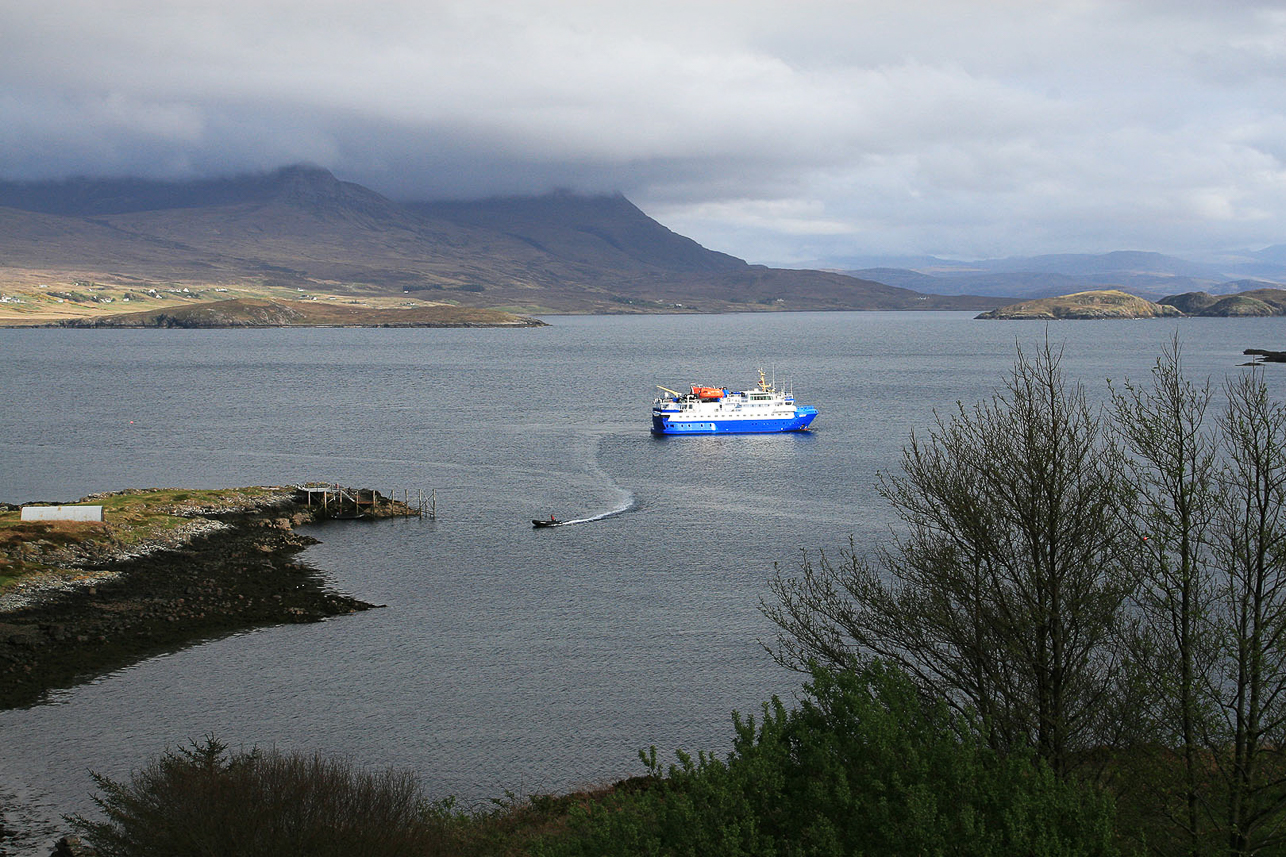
x: 221, y: 572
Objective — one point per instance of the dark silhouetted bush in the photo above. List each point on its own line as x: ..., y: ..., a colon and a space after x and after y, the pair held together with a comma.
x: 202, y: 800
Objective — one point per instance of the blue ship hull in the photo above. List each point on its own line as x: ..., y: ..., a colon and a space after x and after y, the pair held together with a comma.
x: 799, y: 422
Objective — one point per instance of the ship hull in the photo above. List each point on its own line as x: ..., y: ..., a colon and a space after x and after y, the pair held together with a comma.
x: 671, y: 426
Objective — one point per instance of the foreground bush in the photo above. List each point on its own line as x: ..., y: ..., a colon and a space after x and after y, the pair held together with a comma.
x: 863, y: 766
x: 204, y: 801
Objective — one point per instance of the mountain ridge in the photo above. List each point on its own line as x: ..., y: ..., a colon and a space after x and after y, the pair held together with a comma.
x: 301, y: 228
x: 1142, y: 273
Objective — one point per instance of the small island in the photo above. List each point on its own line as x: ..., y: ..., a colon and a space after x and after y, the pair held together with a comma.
x: 1114, y: 303
x: 162, y: 569
x: 1256, y: 303
x: 1107, y: 303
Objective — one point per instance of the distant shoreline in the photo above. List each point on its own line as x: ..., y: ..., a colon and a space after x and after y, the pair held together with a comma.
x: 271, y: 313
x: 98, y: 324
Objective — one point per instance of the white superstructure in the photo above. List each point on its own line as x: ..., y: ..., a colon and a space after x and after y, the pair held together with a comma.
x: 716, y: 410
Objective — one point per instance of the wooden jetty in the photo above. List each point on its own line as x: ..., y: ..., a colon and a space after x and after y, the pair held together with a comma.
x: 338, y: 501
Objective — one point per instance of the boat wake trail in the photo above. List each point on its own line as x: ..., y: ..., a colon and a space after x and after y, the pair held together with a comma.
x: 626, y: 501
x: 620, y: 510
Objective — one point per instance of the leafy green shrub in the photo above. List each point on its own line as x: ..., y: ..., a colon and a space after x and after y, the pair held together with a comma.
x: 204, y: 801
x: 863, y: 766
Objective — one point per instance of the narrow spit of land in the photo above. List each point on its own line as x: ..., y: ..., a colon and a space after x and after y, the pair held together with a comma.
x: 165, y: 568
x: 108, y: 306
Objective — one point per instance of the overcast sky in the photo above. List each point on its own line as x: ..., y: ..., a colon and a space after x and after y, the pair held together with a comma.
x: 782, y: 132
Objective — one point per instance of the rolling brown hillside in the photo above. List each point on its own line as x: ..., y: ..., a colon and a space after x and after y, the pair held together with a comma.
x: 301, y: 230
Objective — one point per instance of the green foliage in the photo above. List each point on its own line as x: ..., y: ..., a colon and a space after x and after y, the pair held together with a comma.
x: 863, y: 766
x: 202, y: 800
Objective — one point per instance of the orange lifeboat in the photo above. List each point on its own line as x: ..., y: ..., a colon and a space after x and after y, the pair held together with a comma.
x: 707, y: 392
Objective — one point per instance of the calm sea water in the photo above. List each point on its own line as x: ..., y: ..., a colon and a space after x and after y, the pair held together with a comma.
x: 507, y: 658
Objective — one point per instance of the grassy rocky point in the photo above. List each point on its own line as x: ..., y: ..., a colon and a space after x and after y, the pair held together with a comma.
x: 165, y: 568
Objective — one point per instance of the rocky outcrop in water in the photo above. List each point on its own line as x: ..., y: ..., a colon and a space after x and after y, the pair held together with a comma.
x: 71, y: 846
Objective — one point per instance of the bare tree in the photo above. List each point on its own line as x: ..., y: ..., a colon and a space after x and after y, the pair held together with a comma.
x: 1044, y: 571
x: 1249, y: 685
x: 1004, y: 589
x: 1171, y: 471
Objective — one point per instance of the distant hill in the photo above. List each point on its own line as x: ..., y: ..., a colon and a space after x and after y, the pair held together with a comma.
x: 84, y: 197
x: 1116, y: 262
x: 1148, y: 275
x: 584, y: 230
x: 1013, y: 285
x: 1275, y: 254
x: 301, y: 229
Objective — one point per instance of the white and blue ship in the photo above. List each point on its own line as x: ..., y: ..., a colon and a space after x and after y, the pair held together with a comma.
x: 717, y: 410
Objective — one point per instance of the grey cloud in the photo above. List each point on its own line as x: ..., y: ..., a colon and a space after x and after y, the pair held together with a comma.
x: 772, y: 130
